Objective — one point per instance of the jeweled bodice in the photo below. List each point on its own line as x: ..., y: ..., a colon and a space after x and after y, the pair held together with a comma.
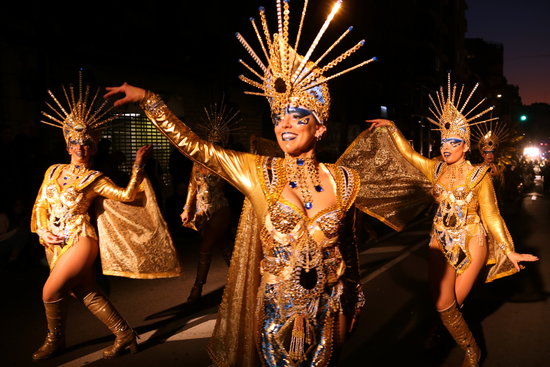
x: 210, y: 195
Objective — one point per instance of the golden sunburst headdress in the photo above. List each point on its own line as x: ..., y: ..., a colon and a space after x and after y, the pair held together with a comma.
x: 287, y: 78
x: 489, y: 136
x: 83, y: 115
x: 449, y: 114
x: 220, y: 122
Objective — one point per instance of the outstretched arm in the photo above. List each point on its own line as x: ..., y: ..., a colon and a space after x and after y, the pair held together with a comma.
x: 423, y: 164
x: 236, y: 167
x: 492, y: 220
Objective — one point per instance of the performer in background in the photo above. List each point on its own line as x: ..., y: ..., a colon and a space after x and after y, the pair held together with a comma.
x: 293, y: 293
x: 62, y: 219
x: 467, y: 208
x: 206, y: 208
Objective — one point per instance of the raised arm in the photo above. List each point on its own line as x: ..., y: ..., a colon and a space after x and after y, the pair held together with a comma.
x: 105, y: 187
x: 493, y: 222
x: 237, y: 168
x: 423, y: 164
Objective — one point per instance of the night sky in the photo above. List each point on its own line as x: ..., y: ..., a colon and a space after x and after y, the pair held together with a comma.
x: 523, y: 28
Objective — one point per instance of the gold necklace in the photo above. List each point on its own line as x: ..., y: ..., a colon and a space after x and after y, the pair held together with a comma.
x: 304, y: 173
x: 455, y: 170
x: 73, y: 172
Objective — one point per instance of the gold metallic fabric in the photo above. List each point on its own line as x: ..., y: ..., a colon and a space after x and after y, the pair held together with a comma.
x: 475, y: 197
x: 392, y: 190
x: 269, y: 228
x: 134, y: 239
x: 205, y: 196
x: 63, y: 209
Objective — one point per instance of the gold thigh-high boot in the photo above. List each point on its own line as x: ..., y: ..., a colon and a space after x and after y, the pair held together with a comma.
x: 202, y: 272
x: 454, y: 322
x: 56, y: 314
x: 102, y: 308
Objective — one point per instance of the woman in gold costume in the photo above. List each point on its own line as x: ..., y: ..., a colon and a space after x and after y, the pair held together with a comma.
x: 206, y: 208
x: 62, y: 221
x: 467, y: 208
x: 293, y: 290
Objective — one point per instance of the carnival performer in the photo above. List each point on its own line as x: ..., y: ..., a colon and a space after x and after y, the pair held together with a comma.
x: 488, y: 138
x: 293, y: 285
x: 206, y: 208
x: 62, y: 219
x: 467, y: 208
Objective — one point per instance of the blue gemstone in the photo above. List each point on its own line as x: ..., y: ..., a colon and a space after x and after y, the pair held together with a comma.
x: 65, y: 178
x: 318, y: 188
x: 300, y: 162
x: 315, y: 188
x: 308, y: 205
x: 293, y: 184
x: 64, y: 183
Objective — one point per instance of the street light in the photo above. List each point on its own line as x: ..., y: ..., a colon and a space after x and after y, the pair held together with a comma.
x: 523, y: 118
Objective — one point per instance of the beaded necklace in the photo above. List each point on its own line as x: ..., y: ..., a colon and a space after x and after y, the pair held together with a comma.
x: 455, y: 171
x: 73, y: 172
x: 304, y: 173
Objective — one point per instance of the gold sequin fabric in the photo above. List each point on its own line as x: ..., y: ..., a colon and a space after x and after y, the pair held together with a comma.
x: 464, y: 212
x: 301, y: 269
x: 133, y: 238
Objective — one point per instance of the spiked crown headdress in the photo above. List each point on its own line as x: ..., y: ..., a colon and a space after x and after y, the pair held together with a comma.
x: 219, y: 122
x: 489, y: 136
x: 449, y: 113
x: 83, y: 115
x: 287, y: 78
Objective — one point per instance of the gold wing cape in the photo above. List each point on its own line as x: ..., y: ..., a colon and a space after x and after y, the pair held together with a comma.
x: 134, y: 240
x: 392, y: 190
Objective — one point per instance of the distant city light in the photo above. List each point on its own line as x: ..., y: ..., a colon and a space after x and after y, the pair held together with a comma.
x: 523, y: 117
x: 531, y: 152
x: 499, y: 95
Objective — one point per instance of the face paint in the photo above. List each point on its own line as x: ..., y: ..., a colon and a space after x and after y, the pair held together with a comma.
x: 453, y: 142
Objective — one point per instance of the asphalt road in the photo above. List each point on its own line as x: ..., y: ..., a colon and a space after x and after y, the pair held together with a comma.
x: 510, y: 317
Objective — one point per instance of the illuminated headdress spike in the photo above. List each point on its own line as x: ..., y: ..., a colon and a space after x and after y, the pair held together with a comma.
x: 448, y: 113
x: 80, y: 118
x: 220, y: 122
x: 288, y: 77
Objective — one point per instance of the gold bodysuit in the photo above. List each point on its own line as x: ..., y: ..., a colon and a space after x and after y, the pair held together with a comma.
x: 282, y: 298
x: 63, y: 209
x: 134, y: 240
x: 464, y: 212
x: 205, y: 195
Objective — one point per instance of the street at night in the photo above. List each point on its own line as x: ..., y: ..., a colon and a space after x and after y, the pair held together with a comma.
x: 131, y: 134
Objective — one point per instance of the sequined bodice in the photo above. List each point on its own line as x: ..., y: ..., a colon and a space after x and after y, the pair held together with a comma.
x: 302, y: 254
x: 210, y: 196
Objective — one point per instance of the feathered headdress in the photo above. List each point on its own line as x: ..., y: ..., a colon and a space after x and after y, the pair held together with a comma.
x: 449, y: 113
x: 287, y: 78
x: 83, y: 115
